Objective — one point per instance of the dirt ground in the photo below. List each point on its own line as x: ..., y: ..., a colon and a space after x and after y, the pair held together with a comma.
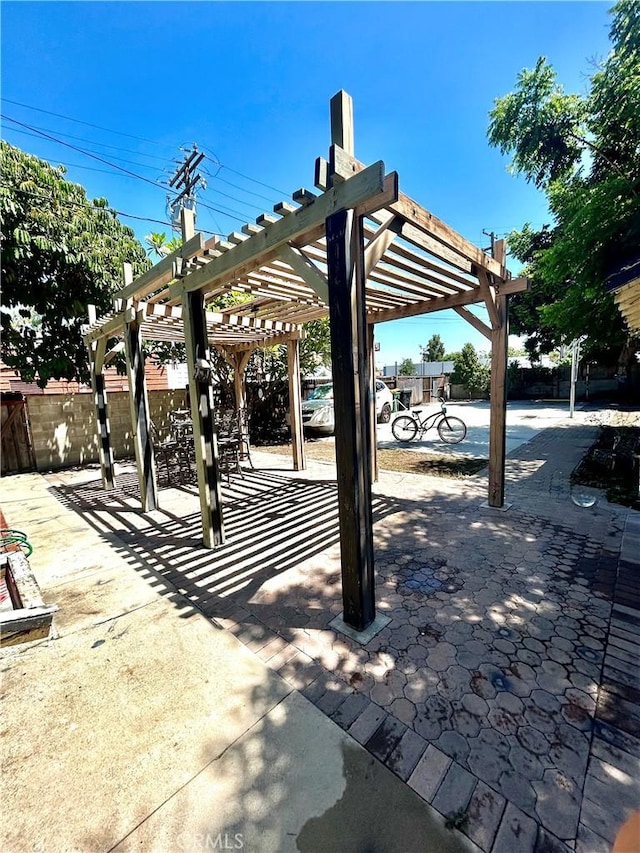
x: 409, y: 461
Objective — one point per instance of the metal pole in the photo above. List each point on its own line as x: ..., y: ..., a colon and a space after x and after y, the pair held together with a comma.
x: 575, y: 357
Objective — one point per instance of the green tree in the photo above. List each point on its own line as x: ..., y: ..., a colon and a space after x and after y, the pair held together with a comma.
x: 158, y: 245
x: 470, y: 371
x: 407, y: 367
x: 60, y: 252
x: 434, y: 350
x: 582, y: 152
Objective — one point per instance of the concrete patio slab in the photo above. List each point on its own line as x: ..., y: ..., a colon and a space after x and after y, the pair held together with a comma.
x: 295, y: 783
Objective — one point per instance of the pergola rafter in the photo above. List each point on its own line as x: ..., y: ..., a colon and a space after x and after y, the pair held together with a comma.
x: 360, y: 251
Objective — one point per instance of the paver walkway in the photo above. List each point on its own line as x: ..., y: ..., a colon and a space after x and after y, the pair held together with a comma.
x: 505, y: 689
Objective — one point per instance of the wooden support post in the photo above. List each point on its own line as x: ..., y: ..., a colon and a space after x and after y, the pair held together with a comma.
x: 239, y: 363
x: 347, y: 313
x: 372, y: 400
x: 295, y: 405
x: 201, y: 396
x: 105, y: 450
x: 498, y: 411
x: 140, y: 419
x: 341, y: 109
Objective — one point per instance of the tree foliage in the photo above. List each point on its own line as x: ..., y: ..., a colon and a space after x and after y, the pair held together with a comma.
x: 434, y: 350
x: 583, y: 151
x: 407, y: 367
x: 469, y: 371
x: 60, y: 252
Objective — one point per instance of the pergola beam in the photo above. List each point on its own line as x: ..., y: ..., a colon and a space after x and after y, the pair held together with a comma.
x: 307, y: 270
x: 476, y: 322
x: 264, y: 246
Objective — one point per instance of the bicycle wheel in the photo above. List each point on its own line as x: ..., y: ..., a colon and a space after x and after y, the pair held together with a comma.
x: 404, y: 428
x: 451, y: 430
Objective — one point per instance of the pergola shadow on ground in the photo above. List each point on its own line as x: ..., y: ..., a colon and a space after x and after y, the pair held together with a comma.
x: 362, y: 252
x: 274, y: 524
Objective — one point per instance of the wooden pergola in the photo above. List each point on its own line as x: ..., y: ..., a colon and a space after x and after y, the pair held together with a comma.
x: 358, y: 250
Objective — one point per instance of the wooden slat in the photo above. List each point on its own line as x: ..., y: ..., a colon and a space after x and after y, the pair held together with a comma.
x: 303, y: 196
x: 434, y: 227
x: 161, y: 273
x: 258, y: 248
x: 307, y: 270
x: 426, y: 307
x: 380, y: 242
x: 422, y: 219
x: 513, y: 285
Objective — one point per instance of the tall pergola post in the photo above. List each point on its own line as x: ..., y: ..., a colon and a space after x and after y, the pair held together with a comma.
x: 204, y: 436
x: 202, y: 410
x: 105, y: 451
x: 139, y: 405
x: 295, y: 404
x: 350, y: 368
x: 372, y: 409
x: 498, y: 394
x: 351, y: 386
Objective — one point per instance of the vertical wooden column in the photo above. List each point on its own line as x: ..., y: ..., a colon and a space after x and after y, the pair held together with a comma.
x: 295, y: 405
x: 372, y: 407
x: 105, y: 450
x: 204, y: 436
x: 345, y: 264
x: 140, y: 419
x: 498, y: 410
x: 239, y: 364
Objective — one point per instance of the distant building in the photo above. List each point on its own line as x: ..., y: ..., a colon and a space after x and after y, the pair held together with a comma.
x: 422, y: 368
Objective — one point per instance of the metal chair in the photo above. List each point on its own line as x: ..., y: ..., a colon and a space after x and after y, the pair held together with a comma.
x: 228, y: 443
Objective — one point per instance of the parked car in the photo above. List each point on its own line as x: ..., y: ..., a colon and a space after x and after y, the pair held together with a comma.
x: 317, y: 409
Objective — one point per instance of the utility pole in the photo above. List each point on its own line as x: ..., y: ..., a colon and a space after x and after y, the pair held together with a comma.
x: 185, y: 181
x: 492, y: 236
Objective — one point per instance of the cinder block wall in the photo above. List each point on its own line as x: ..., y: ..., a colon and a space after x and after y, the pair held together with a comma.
x: 63, y: 426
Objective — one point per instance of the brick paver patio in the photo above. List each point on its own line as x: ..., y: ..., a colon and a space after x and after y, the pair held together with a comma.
x: 505, y: 689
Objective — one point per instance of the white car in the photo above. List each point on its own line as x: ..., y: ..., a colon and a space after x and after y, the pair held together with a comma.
x: 317, y: 409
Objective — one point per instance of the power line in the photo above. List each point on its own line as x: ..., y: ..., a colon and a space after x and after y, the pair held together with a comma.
x: 226, y: 212
x: 233, y: 214
x: 101, y: 144
x: 39, y: 133
x: 87, y: 123
x: 88, y: 206
x: 81, y: 151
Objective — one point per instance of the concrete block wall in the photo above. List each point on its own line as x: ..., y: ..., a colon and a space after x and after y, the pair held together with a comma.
x: 63, y: 426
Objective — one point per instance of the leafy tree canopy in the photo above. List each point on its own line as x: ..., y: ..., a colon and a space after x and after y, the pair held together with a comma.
x: 583, y: 152
x: 469, y: 371
x: 407, y: 367
x: 434, y: 350
x: 60, y: 252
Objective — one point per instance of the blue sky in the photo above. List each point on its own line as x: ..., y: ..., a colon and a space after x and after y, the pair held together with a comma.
x: 250, y: 83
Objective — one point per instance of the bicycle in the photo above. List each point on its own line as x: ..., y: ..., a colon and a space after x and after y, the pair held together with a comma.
x: 451, y: 430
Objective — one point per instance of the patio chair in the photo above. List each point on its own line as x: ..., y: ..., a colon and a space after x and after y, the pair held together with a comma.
x: 172, y: 456
x: 228, y: 443
x: 243, y: 434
